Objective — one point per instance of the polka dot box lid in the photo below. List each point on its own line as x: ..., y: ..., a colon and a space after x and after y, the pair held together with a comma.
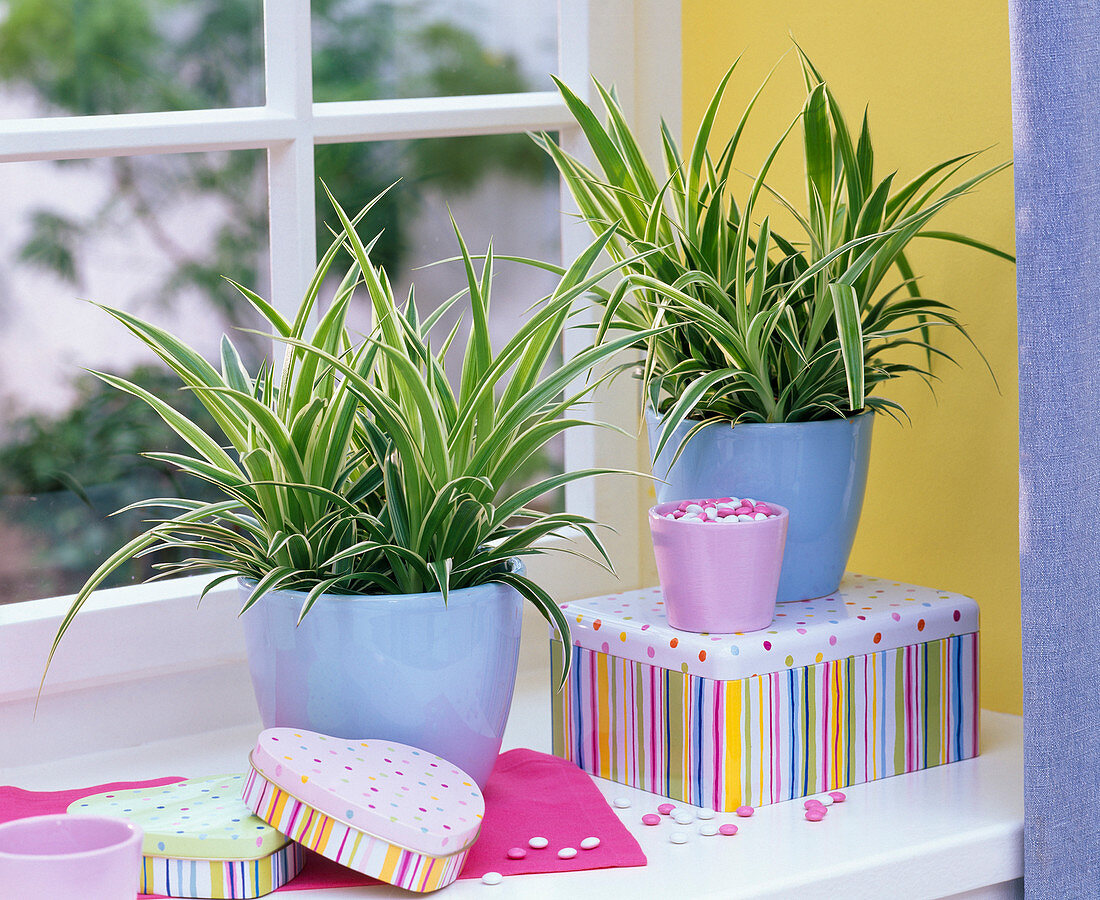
x: 195, y: 819
x: 408, y: 797
x: 864, y: 616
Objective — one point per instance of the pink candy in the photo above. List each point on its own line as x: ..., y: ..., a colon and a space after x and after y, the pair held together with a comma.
x: 651, y: 819
x: 745, y: 811
x: 665, y: 809
x: 815, y: 813
x: 516, y: 853
x: 728, y: 828
x: 813, y: 804
x: 838, y: 796
x: 718, y: 510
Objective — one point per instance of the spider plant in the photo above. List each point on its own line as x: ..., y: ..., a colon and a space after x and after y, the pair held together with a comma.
x: 767, y: 327
x: 357, y: 468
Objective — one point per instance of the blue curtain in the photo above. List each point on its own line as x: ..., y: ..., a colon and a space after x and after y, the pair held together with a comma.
x: 1056, y: 128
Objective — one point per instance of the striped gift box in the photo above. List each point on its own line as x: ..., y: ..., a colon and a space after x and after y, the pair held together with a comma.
x: 877, y: 680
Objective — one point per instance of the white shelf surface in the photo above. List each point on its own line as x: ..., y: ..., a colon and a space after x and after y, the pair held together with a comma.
x: 954, y: 830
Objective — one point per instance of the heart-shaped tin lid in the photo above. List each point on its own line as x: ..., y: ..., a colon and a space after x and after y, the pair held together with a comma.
x: 201, y: 818
x: 408, y: 797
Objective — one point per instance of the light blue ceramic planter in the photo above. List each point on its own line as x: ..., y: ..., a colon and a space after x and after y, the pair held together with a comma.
x: 404, y: 668
x: 818, y: 470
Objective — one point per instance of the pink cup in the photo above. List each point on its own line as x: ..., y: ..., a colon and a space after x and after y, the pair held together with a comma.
x: 719, y: 577
x: 61, y: 856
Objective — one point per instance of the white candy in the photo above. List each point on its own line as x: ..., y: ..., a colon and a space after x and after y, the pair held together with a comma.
x: 708, y: 829
x: 492, y: 878
x: 825, y: 799
x: 758, y: 516
x: 590, y: 843
x: 621, y: 802
x: 567, y: 852
x: 693, y: 508
x: 538, y: 842
x: 678, y: 837
x: 733, y: 505
x: 743, y: 518
x: 693, y: 520
x: 683, y: 818
x: 705, y: 813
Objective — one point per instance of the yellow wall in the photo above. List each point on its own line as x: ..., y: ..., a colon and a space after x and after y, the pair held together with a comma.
x: 941, y: 505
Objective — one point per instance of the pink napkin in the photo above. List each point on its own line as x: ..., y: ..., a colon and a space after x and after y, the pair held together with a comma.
x: 528, y: 794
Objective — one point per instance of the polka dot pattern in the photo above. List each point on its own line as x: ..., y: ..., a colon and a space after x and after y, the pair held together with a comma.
x: 202, y: 818
x: 389, y: 790
x: 866, y: 615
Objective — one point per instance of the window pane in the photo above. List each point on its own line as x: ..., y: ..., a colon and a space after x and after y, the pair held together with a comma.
x: 496, y: 186
x: 94, y: 57
x: 374, y: 49
x: 151, y: 235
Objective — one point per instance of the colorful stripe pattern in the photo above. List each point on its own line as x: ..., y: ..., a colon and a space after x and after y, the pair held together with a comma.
x: 347, y: 846
x: 245, y: 878
x: 774, y: 736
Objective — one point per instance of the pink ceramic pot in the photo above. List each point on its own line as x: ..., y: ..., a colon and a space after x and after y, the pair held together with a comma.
x: 63, y: 856
x: 719, y: 577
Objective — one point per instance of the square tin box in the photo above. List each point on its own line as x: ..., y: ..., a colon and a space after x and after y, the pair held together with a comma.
x: 878, y: 679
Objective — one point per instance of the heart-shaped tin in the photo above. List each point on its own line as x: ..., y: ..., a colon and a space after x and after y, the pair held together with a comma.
x: 388, y: 810
x: 200, y: 839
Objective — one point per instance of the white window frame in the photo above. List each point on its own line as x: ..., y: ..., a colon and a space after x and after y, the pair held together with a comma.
x: 634, y: 44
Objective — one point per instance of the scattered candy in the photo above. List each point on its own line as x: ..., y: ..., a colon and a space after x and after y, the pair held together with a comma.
x: 621, y: 802
x: 567, y: 853
x: 665, y: 809
x: 705, y: 813
x: 538, y: 843
x: 651, y: 819
x: 683, y: 818
x: 492, y: 878
x: 816, y: 813
x: 745, y: 811
x: 590, y: 843
x: 516, y: 853
x: 708, y: 829
x: 727, y: 509
x: 728, y: 828
x: 678, y: 837
x: 838, y: 796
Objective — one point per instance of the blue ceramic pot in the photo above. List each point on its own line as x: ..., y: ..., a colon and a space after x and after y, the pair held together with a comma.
x: 402, y: 667
x: 818, y: 470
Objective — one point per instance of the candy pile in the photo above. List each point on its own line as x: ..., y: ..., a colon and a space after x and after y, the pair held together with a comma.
x: 816, y: 808
x: 721, y: 509
x: 687, y: 815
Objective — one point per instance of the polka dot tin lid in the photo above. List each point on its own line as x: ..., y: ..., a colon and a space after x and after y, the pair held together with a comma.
x: 864, y: 616
x: 408, y: 797
x: 201, y: 818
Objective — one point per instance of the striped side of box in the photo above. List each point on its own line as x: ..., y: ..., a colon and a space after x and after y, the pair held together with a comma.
x: 346, y: 845
x: 231, y: 879
x: 769, y: 737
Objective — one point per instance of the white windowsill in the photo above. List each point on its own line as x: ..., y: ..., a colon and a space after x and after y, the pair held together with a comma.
x: 952, y: 830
